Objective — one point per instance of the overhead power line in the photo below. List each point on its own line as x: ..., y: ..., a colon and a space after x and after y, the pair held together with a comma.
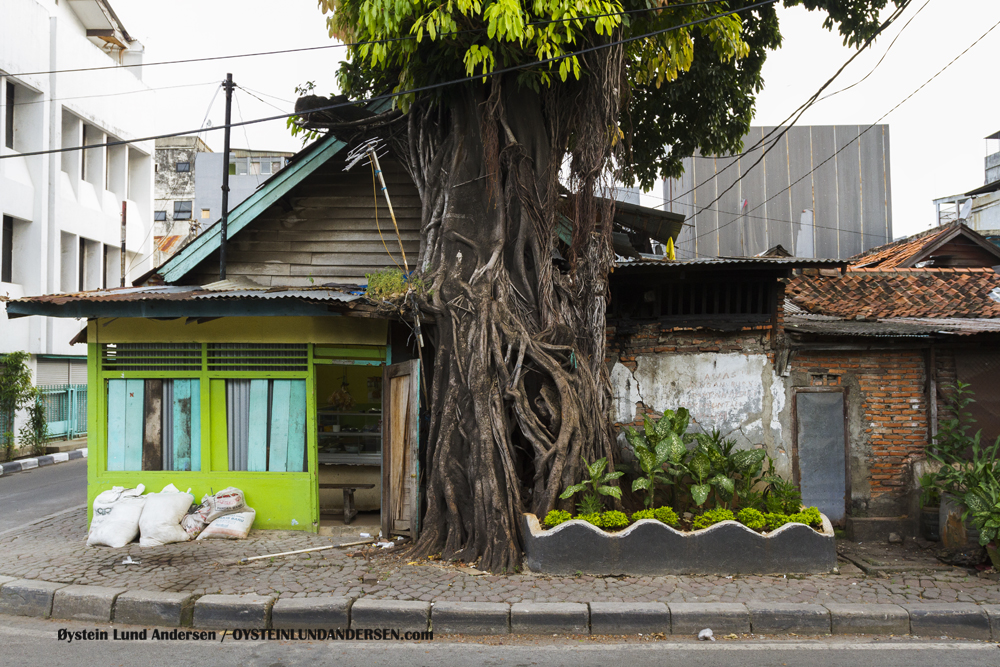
x: 782, y: 128
x: 420, y: 89
x: 862, y: 133
x: 388, y: 40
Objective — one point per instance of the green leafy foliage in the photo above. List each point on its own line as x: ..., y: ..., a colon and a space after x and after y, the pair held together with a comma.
x: 593, y: 518
x: 35, y: 431
x: 657, y: 448
x: 810, y: 516
x: 16, y: 392
x: 667, y: 515
x: 775, y: 520
x: 983, y: 503
x: 614, y: 520
x: 711, y: 517
x: 751, y: 518
x: 391, y: 285
x: 598, y: 485
x: 556, y: 517
x: 663, y: 514
x: 784, y: 498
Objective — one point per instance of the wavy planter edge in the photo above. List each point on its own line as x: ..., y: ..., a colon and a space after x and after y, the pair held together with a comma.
x: 650, y: 547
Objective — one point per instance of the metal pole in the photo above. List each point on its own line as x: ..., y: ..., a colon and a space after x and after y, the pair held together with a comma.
x: 225, y: 178
x: 124, y: 210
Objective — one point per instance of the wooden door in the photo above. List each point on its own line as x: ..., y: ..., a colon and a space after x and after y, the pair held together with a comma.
x: 400, y: 449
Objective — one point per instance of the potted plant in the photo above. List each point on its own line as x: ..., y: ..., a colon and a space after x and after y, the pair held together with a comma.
x: 983, y: 503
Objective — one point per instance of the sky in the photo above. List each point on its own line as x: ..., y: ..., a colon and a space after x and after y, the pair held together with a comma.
x: 937, y: 141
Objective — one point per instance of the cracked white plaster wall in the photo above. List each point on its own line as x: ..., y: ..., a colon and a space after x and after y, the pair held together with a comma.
x: 723, y: 391
x: 625, y: 393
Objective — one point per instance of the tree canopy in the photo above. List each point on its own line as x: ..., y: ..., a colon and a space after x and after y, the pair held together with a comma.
x: 689, y: 87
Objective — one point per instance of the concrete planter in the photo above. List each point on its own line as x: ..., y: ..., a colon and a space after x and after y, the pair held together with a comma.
x: 649, y: 547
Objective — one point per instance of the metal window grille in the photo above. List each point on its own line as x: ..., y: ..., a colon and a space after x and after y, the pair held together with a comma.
x: 151, y: 356
x: 258, y: 357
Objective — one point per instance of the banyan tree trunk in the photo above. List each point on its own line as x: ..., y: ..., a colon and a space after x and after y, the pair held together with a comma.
x: 520, y: 390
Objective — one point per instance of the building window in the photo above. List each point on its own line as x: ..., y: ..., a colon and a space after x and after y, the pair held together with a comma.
x: 275, y: 167
x: 206, y: 213
x: 265, y: 166
x: 7, y: 250
x: 183, y: 167
x: 255, y: 168
x: 9, y: 117
x: 182, y: 210
x: 159, y: 215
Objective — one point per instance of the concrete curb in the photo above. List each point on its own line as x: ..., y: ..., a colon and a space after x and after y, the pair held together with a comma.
x: 41, y: 461
x: 26, y: 597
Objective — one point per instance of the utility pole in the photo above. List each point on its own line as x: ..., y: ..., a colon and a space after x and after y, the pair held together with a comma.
x: 225, y: 177
x: 124, y: 211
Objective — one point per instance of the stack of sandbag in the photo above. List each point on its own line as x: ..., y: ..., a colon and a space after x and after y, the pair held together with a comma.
x: 161, y: 517
x: 207, y: 520
x: 117, y: 513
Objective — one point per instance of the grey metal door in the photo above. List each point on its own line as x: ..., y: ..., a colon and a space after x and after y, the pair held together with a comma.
x: 820, y: 451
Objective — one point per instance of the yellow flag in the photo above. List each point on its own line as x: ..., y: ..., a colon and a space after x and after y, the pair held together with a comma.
x: 670, y: 249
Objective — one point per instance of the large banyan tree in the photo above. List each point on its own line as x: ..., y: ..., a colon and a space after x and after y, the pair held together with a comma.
x: 568, y: 96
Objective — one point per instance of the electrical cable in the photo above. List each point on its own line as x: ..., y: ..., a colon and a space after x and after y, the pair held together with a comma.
x: 364, y: 43
x: 862, y: 133
x: 127, y: 92
x: 247, y: 91
x: 891, y: 44
x: 419, y: 89
x: 798, y: 113
x: 239, y: 112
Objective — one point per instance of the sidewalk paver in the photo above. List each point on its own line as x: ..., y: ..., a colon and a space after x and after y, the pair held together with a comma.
x: 55, y: 550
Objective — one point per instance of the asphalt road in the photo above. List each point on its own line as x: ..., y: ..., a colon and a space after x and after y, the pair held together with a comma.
x: 29, y: 641
x: 33, y: 494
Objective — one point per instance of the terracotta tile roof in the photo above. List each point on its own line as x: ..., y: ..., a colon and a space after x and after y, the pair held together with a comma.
x: 898, y: 252
x: 879, y: 293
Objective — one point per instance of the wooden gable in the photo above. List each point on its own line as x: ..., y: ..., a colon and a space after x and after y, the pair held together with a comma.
x: 324, y: 230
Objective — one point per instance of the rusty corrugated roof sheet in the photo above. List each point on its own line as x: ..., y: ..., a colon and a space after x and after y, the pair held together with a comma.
x: 789, y: 262
x: 220, y: 290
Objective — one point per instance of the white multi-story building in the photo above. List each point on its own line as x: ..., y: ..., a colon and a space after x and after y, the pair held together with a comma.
x: 62, y: 212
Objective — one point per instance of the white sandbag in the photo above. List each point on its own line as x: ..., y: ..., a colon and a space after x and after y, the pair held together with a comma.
x: 160, y: 522
x: 230, y: 527
x: 228, y: 501
x: 116, y: 517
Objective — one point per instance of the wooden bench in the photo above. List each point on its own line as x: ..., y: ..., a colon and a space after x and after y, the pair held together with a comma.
x: 349, y: 489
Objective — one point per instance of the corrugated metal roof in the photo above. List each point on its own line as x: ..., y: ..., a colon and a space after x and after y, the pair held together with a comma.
x: 900, y: 327
x: 791, y: 262
x: 223, y: 290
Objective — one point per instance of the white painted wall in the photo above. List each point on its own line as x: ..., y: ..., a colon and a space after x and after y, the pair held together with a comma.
x: 53, y: 206
x: 738, y: 394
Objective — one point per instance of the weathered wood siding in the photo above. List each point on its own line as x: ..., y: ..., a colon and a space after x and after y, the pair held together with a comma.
x: 325, y: 231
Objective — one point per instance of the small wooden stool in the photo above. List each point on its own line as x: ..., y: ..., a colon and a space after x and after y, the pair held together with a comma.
x: 349, y: 489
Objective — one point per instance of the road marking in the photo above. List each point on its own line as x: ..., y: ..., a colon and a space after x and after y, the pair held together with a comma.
x: 44, y: 518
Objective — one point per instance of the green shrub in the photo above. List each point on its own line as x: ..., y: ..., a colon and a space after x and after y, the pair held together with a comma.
x: 662, y: 514
x: 613, y: 520
x: 594, y: 519
x: 751, y: 518
x: 775, y: 520
x: 712, y: 517
x: 812, y: 516
x: 667, y: 515
x: 556, y: 517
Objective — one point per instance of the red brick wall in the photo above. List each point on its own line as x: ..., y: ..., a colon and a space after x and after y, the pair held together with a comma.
x: 887, y: 422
